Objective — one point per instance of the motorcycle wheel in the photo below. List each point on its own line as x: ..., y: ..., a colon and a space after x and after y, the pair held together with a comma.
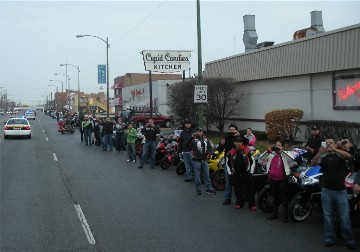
x: 218, y: 180
x: 264, y: 200
x: 299, y: 209
x: 165, y: 164
x: 180, y: 168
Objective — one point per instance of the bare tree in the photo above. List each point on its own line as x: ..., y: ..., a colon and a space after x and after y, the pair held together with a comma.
x: 222, y: 101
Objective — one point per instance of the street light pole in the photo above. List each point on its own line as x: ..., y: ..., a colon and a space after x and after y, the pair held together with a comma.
x: 68, y: 91
x: 107, y: 67
x: 57, y: 93
x: 78, y: 68
x: 62, y: 85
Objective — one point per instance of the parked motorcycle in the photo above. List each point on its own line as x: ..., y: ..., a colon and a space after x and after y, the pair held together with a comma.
x: 172, y: 156
x: 305, y: 201
x: 65, y: 128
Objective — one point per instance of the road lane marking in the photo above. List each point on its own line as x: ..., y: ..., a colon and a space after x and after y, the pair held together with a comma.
x: 84, y: 224
x: 47, y: 139
x: 55, y: 158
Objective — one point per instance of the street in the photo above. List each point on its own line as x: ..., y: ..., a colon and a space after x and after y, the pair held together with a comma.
x: 59, y: 195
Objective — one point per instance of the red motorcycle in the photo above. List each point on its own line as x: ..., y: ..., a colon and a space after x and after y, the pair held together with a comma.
x: 65, y: 128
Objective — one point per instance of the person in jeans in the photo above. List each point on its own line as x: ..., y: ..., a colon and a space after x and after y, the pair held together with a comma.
x: 226, y: 144
x: 201, y: 147
x: 119, y: 136
x: 149, y: 131
x: 87, y: 127
x: 131, y: 134
x: 334, y: 197
x: 185, y: 150
x: 108, y: 131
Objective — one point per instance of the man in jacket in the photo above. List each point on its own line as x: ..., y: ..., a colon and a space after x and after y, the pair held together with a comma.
x: 185, y: 150
x: 201, y: 152
x: 108, y: 131
x: 226, y: 144
x: 314, y: 142
x: 149, y: 131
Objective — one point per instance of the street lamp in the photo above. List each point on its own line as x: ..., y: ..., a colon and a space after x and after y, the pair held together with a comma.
x: 78, y: 68
x: 68, y: 87
x: 62, y: 85
x: 107, y: 66
x: 57, y: 91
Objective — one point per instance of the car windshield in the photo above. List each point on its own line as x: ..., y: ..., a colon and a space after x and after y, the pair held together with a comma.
x: 18, y: 121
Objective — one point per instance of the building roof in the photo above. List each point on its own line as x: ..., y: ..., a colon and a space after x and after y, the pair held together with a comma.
x: 324, y: 52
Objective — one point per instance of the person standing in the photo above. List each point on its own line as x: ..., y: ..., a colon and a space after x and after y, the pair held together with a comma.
x: 185, y: 150
x: 80, y: 124
x: 97, y: 133
x: 87, y: 127
x: 241, y: 166
x: 149, y: 131
x: 334, y: 197
x: 226, y: 144
x: 314, y: 142
x: 250, y: 137
x: 201, y: 147
x: 120, y: 135
x: 278, y: 168
x: 131, y: 134
x: 108, y: 131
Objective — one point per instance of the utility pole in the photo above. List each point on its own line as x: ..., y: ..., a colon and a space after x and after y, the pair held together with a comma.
x: 200, y: 106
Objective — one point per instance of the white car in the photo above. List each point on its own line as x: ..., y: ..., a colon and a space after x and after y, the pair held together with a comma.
x: 17, y: 127
x: 29, y: 115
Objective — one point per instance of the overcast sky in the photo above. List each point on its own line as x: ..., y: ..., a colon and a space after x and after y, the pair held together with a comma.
x: 38, y: 36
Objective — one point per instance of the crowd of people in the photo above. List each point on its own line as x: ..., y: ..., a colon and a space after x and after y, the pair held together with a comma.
x: 334, y: 158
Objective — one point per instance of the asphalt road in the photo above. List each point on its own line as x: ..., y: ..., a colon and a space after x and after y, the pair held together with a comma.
x: 59, y: 195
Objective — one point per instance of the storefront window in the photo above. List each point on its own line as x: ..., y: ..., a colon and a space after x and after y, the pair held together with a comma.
x: 346, y: 92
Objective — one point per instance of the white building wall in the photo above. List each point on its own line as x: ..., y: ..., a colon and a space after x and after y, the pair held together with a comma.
x: 159, y: 92
x: 263, y: 96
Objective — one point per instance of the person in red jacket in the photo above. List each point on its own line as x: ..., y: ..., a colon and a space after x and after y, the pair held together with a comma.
x: 239, y: 169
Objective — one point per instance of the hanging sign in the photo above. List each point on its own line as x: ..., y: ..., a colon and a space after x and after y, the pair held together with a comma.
x: 101, y: 74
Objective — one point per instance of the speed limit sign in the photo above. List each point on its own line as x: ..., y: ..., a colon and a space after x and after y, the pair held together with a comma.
x: 200, y: 94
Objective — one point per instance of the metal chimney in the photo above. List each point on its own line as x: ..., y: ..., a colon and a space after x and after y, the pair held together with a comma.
x: 250, y: 37
x: 316, y: 21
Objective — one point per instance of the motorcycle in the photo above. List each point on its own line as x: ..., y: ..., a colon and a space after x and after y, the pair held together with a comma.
x: 305, y: 201
x: 64, y: 127
x: 172, y: 156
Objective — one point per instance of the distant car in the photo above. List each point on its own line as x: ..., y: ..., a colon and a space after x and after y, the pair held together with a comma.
x: 2, y: 112
x: 30, y: 115
x: 17, y: 127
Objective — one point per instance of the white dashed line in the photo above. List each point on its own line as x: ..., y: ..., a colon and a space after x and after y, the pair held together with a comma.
x: 55, y: 158
x: 47, y: 139
x: 84, y: 224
